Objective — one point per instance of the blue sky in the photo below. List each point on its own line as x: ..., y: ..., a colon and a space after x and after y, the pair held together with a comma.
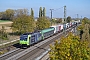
x: 81, y: 7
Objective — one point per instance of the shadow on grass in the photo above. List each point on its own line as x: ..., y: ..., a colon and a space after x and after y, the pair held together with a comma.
x: 15, y: 33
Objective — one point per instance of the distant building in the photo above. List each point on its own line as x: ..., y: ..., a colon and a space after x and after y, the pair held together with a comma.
x: 35, y: 19
x: 62, y: 20
x: 54, y: 18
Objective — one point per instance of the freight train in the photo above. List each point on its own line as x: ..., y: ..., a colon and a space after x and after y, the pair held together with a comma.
x: 28, y: 39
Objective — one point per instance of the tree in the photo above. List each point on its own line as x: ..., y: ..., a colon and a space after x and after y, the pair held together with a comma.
x: 3, y: 34
x: 80, y: 27
x: 85, y: 35
x: 9, y: 14
x: 40, y: 12
x: 1, y: 15
x: 85, y: 20
x: 68, y: 19
x: 89, y: 26
x: 32, y: 13
x: 53, y: 21
x: 44, y: 13
x: 32, y: 17
x: 42, y: 23
x: 59, y: 20
x: 20, y: 12
x: 84, y: 28
x: 23, y: 22
x: 70, y: 48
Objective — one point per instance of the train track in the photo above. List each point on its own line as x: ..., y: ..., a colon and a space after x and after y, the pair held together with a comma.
x: 11, y: 53
x: 32, y: 53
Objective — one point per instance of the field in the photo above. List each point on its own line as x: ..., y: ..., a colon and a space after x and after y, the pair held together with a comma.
x: 6, y: 24
x: 4, y: 21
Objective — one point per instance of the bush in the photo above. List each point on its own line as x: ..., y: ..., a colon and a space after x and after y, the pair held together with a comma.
x: 70, y: 48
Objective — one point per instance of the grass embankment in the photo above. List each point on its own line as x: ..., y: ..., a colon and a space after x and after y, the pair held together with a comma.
x: 7, y: 45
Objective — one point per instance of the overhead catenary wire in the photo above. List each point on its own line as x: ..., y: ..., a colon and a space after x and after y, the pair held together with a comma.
x: 57, y: 9
x: 54, y: 10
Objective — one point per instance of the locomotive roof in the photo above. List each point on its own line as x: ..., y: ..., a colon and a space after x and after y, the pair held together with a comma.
x: 27, y: 33
x: 31, y: 32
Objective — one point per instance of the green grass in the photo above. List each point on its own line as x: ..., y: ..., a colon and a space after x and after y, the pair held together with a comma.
x: 1, y: 21
x: 4, y: 21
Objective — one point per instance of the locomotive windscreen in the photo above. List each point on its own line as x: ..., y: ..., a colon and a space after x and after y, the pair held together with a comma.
x: 24, y: 37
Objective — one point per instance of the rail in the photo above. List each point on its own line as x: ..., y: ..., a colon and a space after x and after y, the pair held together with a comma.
x: 41, y: 57
x: 9, y: 42
x: 43, y: 54
x: 17, y: 56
